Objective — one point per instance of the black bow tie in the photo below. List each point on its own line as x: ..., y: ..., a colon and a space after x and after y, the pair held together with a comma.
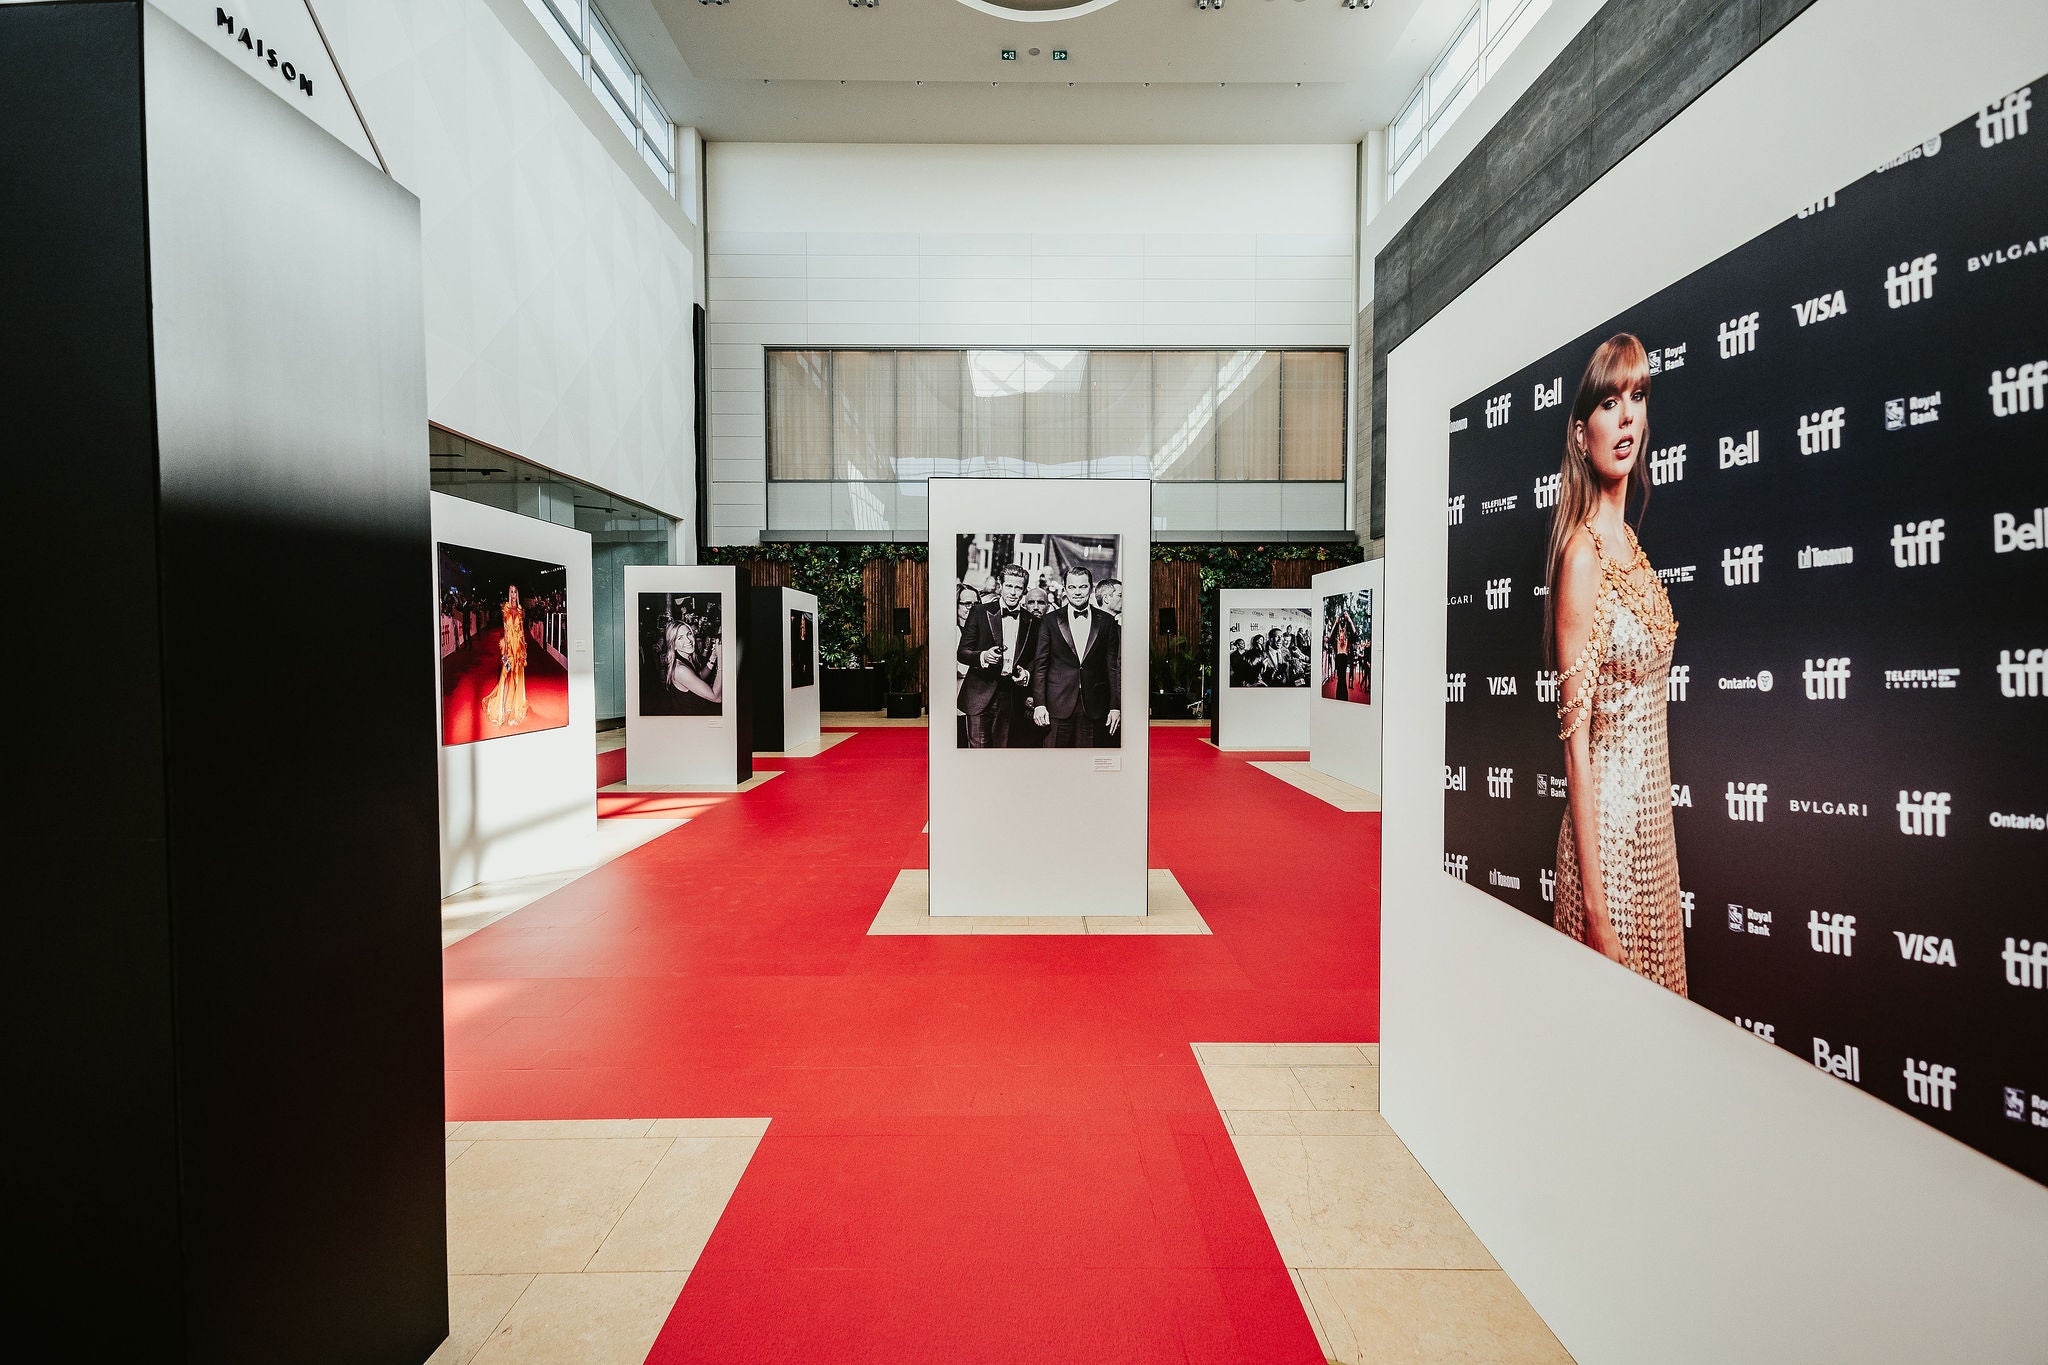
x: 1079, y: 614
x: 1014, y: 612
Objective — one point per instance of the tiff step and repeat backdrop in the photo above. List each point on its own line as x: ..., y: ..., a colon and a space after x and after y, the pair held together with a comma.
x: 1847, y: 453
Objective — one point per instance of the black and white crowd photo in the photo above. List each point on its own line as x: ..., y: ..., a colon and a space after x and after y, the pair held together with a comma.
x: 1269, y: 646
x: 1040, y: 662
x: 682, y: 665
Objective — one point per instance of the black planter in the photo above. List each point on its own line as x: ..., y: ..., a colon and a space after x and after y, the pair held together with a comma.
x: 905, y: 705
x: 1169, y: 706
x: 850, y: 689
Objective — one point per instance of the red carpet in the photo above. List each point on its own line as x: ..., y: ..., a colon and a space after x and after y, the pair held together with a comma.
x: 983, y: 1149
x: 463, y: 693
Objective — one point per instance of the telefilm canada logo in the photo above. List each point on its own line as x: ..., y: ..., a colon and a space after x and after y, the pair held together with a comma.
x: 1501, y: 504
x: 1922, y: 679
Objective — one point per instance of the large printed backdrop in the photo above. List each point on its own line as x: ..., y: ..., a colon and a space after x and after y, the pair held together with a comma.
x: 1848, y: 434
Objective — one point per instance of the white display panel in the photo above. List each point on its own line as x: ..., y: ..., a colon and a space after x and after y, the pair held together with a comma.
x: 1089, y: 804
x: 701, y: 749
x: 1344, y: 736
x: 522, y: 803
x: 799, y: 704
x: 1667, y: 1188
x: 1266, y: 716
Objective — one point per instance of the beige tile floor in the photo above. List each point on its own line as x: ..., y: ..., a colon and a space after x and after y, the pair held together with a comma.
x: 1387, y: 1271
x: 830, y: 718
x: 1321, y: 785
x: 465, y: 912
x: 569, y: 1240
x: 827, y: 740
x: 907, y: 909
x: 625, y: 789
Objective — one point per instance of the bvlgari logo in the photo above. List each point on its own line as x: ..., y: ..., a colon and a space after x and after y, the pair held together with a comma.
x: 1800, y: 806
x: 264, y: 52
x: 2001, y: 255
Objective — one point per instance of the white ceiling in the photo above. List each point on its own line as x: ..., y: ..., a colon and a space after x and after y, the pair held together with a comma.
x: 1256, y: 71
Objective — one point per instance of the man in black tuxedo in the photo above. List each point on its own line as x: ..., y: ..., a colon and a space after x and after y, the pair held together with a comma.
x: 1077, y: 672
x: 994, y: 644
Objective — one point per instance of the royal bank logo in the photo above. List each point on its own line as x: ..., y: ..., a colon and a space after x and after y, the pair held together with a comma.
x: 1675, y: 682
x: 1821, y: 307
x: 1546, y: 685
x: 1801, y: 806
x: 1499, y: 409
x: 1821, y: 431
x: 1924, y: 814
x: 2026, y: 1107
x: 1767, y: 1032
x: 1667, y: 465
x: 1814, y: 557
x: 2026, y: 963
x: 1831, y: 934
x: 1738, y: 335
x: 1669, y: 358
x: 1847, y: 1064
x: 1746, y: 800
x: 1506, y: 504
x: 1454, y: 511
x: 1458, y: 864
x: 2009, y: 533
x: 1498, y: 591
x: 1921, y: 679
x: 2004, y: 255
x: 1917, y: 544
x: 2021, y: 672
x: 1546, y: 883
x: 1454, y: 687
x: 1826, y: 679
x: 1548, y: 395
x: 1931, y: 949
x: 2019, y: 388
x: 1909, y: 282
x: 1820, y: 206
x: 1550, y: 786
x: 1500, y: 783
x: 1501, y: 686
x: 1742, y: 565
x: 1930, y: 1084
x: 1734, y: 452
x: 1504, y: 880
x: 1681, y: 795
x: 1759, y: 681
x: 1900, y: 413
x: 2007, y: 119
x: 1454, y: 778
x: 1546, y: 489
x: 1931, y: 147
x: 1747, y: 919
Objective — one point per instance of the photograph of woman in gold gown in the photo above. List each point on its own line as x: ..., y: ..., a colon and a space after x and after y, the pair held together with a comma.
x: 504, y: 644
x: 505, y: 704
x: 1611, y: 636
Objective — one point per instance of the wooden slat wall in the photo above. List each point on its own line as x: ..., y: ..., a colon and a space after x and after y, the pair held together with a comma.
x: 910, y: 591
x: 1293, y: 573
x: 878, y: 591
x: 768, y: 573
x: 1178, y: 585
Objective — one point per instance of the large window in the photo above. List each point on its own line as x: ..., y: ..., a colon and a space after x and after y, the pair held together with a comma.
x: 867, y: 416
x: 1489, y: 32
x: 588, y: 41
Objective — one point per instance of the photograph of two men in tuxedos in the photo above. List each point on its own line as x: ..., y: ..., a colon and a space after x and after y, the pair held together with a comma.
x: 1040, y: 661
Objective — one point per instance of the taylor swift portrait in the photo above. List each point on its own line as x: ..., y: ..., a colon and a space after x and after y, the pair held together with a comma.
x: 1610, y: 636
x: 505, y: 704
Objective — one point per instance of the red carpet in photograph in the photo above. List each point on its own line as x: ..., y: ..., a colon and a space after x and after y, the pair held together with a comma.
x: 469, y: 674
x: 1360, y: 684
x: 982, y: 1149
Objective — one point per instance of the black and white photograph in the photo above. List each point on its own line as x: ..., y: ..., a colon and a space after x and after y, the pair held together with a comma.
x: 1347, y: 646
x: 1040, y: 662
x: 1269, y: 646
x: 682, y: 663
x: 803, y: 649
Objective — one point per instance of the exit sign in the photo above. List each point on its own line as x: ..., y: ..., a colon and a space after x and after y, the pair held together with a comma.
x: 1009, y: 54
x: 1059, y: 54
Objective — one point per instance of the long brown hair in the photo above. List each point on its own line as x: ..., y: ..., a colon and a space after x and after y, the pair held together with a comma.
x: 1619, y: 365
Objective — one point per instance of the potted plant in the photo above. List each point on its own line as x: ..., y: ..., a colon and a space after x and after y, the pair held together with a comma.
x: 902, y: 665
x: 1174, y: 673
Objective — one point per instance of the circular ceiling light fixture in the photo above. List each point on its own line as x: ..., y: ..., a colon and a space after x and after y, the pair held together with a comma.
x: 1037, y: 11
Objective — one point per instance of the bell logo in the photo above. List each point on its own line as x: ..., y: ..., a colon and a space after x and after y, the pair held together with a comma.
x: 1821, y: 307
x: 1738, y: 335
x: 2026, y: 963
x: 1667, y: 465
x: 1917, y: 544
x: 1734, y: 452
x: 1826, y: 679
x: 1742, y: 564
x: 1821, y: 431
x: 1935, y: 952
x: 1498, y: 409
x: 1930, y: 1084
x: 2008, y: 534
x: 1847, y: 1064
x: 2021, y: 672
x: 2019, y: 388
x: 1924, y: 814
x: 1835, y: 934
x: 1457, y: 864
x: 1909, y: 282
x: 1498, y: 591
x: 1546, y: 685
x: 1454, y: 511
x: 1681, y: 795
x: 1675, y: 682
x: 1501, y: 687
x: 1548, y: 395
x: 1546, y: 489
x: 2006, y: 119
x: 1454, y: 778
x: 1454, y: 687
x: 1746, y: 800
x: 1500, y: 783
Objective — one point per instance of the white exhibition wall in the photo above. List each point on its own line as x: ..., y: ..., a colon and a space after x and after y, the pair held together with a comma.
x: 1344, y: 738
x: 1663, y: 1187
x: 1087, y: 809
x: 800, y: 704
x: 1260, y: 717
x: 521, y: 804
x: 667, y: 751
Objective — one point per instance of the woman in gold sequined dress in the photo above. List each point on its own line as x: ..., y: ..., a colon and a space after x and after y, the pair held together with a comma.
x: 505, y: 704
x: 1612, y: 634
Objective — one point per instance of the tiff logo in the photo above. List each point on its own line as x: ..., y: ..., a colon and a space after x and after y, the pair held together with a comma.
x: 1500, y: 783
x: 1746, y: 800
x: 1498, y: 409
x: 1821, y: 431
x: 1738, y: 335
x: 2005, y: 119
x: 1916, y: 544
x: 1821, y: 307
x: 1820, y: 206
x: 1498, y: 591
x: 1667, y: 465
x: 1834, y: 934
x: 1923, y: 813
x: 2026, y: 963
x: 1546, y: 684
x: 1546, y: 882
x: 2019, y: 388
x: 1685, y: 906
x: 2007, y: 534
x: 1454, y: 687
x: 1827, y: 679
x: 1909, y: 282
x: 1546, y: 489
x: 2021, y: 673
x: 1675, y: 682
x: 1767, y: 1032
x: 1458, y: 864
x: 1454, y: 511
x: 1742, y: 564
x: 1930, y: 1084
x: 1734, y: 452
